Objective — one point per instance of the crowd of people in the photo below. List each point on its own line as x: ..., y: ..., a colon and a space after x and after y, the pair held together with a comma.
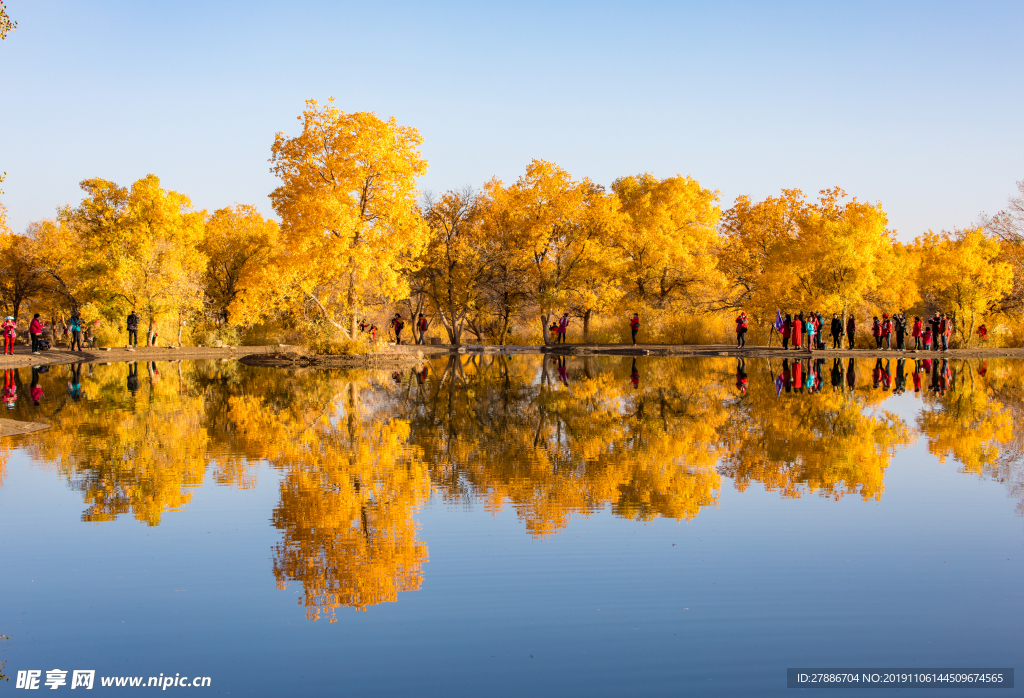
x: 807, y: 331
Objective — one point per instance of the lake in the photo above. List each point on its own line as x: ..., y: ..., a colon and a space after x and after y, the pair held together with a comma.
x: 522, y: 525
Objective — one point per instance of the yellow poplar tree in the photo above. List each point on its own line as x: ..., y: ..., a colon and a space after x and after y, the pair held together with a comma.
x: 749, y: 232
x: 669, y: 239
x: 841, y: 259
x: 240, y: 275
x: 557, y: 234
x: 962, y: 272
x: 351, y: 228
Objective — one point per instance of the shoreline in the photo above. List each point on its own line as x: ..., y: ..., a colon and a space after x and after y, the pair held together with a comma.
x: 406, y: 354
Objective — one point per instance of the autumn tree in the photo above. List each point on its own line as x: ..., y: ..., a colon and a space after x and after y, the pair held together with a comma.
x: 452, y: 266
x: 1008, y: 227
x: 140, y: 249
x: 351, y: 229
x: 23, y: 278
x: 749, y: 232
x: 669, y: 239
x: 557, y: 234
x: 504, y: 290
x: 6, y: 24
x: 842, y: 258
x: 240, y: 275
x: 961, y: 273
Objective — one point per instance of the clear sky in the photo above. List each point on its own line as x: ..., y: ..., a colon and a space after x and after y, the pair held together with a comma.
x: 919, y: 105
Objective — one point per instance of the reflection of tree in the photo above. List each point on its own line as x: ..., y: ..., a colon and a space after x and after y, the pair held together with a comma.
x: 508, y: 429
x: 979, y: 420
x: 351, y: 485
x: 962, y: 420
x: 141, y: 453
x: 830, y: 442
x: 347, y: 504
x: 553, y: 438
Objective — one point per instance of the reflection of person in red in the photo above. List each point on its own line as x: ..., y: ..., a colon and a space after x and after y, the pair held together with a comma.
x: 983, y: 368
x: 563, y: 374
x: 798, y: 375
x: 741, y: 376
x: 10, y: 388
x: 36, y: 391
x: 851, y: 375
x: 917, y: 377
x: 634, y: 375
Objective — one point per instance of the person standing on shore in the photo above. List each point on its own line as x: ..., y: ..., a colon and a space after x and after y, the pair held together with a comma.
x: 798, y: 330
x: 851, y: 330
x: 397, y: 324
x: 563, y: 328
x: 809, y: 329
x: 944, y: 332
x: 741, y: 330
x: 837, y: 332
x: 876, y: 332
x: 887, y: 330
x: 901, y: 331
x: 35, y: 333
x: 787, y: 330
x: 916, y: 332
x: 422, y: 325
x: 10, y: 331
x: 634, y: 326
x: 75, y: 325
x: 131, y: 323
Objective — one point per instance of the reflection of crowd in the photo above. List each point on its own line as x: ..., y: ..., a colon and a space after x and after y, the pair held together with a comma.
x: 807, y: 376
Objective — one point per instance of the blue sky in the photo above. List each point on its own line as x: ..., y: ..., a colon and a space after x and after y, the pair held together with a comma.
x: 916, y: 105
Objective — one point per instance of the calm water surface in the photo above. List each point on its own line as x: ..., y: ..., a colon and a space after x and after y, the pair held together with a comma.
x: 519, y: 526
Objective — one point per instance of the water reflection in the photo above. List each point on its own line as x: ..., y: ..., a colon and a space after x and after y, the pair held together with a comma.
x: 552, y: 437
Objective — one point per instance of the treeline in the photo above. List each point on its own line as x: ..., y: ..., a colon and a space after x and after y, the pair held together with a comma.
x: 358, y: 242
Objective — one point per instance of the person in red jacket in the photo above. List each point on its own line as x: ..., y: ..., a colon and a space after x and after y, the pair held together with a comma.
x: 35, y: 332
x: 916, y: 332
x: 798, y: 330
x: 876, y: 332
x: 422, y: 325
x: 634, y: 326
x: 10, y: 331
x: 887, y: 331
x: 741, y: 331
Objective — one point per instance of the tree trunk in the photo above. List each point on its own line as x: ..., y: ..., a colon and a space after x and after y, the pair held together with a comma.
x: 586, y: 325
x: 544, y: 321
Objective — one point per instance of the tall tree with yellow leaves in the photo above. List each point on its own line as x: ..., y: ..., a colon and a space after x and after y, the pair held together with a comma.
x: 961, y: 272
x: 140, y: 247
x: 557, y: 234
x: 841, y: 259
x: 669, y: 240
x: 350, y: 224
x: 452, y: 268
x: 240, y: 275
